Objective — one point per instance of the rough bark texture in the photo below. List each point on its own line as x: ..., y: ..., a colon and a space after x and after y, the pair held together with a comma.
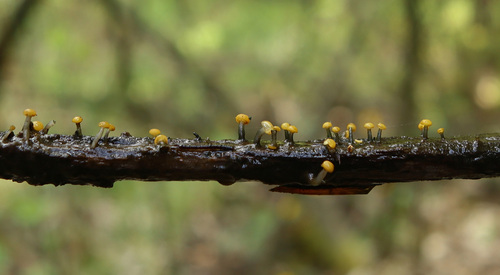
x: 59, y: 159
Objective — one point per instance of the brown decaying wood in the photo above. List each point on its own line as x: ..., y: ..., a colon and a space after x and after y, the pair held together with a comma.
x: 59, y: 159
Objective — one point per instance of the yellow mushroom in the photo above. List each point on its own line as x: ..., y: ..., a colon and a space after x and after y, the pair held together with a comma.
x: 77, y: 120
x: 440, y: 131
x: 161, y: 140
x: 242, y: 120
x: 330, y: 145
x: 381, y: 127
x: 351, y: 127
x: 327, y: 125
x: 328, y: 167
x: 426, y: 124
x: 154, y: 132
x: 111, y: 128
x: 103, y: 125
x: 274, y: 138
x: 265, y: 129
x: 292, y: 129
x: 285, y: 126
x: 8, y: 133
x: 37, y: 126
x: 29, y: 113
x: 369, y: 126
x: 336, y: 131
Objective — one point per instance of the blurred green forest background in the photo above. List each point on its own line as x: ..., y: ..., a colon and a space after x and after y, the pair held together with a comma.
x: 185, y: 66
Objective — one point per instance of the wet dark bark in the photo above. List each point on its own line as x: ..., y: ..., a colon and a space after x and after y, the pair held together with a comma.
x: 59, y: 159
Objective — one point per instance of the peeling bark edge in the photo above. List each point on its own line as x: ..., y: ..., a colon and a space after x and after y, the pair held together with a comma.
x: 60, y: 159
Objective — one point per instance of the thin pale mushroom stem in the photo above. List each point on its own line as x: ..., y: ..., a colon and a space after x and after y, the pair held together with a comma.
x: 381, y: 127
x: 327, y: 126
x: 426, y: 123
x: 258, y: 136
x: 97, y: 137
x: 111, y: 128
x: 274, y: 138
x: 266, y: 126
x: 351, y: 128
x: 369, y: 126
x: 241, y: 131
x: 440, y: 131
x: 78, y: 120
x: 292, y: 130
x: 29, y: 113
x: 102, y: 125
x: 242, y: 120
x: 49, y: 125
x: 285, y: 126
x: 327, y: 167
x: 336, y: 131
x: 8, y: 133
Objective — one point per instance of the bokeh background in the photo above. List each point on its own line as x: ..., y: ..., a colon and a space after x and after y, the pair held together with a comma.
x: 185, y: 66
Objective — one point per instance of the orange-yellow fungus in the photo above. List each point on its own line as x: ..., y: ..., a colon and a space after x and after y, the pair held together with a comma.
x: 161, y: 140
x: 328, y: 167
x: 37, y: 126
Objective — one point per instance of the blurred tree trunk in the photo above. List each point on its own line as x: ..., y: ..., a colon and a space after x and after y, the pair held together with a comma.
x: 407, y: 106
x: 11, y: 31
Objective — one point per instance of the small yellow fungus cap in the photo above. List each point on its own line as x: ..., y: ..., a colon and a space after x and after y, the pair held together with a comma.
x: 77, y: 119
x: 351, y: 125
x: 161, y: 138
x: 336, y: 129
x: 285, y: 125
x: 154, y: 132
x: 328, y: 166
x: 381, y: 126
x: 242, y: 118
x: 368, y: 125
x: 29, y: 112
x: 266, y: 124
x: 327, y: 125
x: 440, y: 131
x: 420, y: 126
x: 37, y: 125
x: 426, y: 122
x: 104, y: 124
x: 330, y: 143
x: 276, y: 128
x: 292, y: 129
x: 112, y: 127
x: 12, y: 128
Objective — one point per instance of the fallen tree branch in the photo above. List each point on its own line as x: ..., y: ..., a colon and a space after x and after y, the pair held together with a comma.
x: 60, y: 159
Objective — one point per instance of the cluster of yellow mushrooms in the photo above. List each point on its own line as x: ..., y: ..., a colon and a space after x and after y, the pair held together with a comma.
x: 332, y: 135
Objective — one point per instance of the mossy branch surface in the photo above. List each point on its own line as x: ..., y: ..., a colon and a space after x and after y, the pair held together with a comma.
x: 60, y: 159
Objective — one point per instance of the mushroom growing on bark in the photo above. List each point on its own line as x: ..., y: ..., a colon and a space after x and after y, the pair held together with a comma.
x: 327, y: 168
x: 242, y: 120
x: 103, y: 125
x: 29, y: 113
x: 265, y: 129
